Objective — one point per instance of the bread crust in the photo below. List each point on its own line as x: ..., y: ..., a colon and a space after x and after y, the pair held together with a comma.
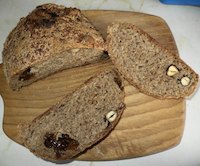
x: 47, y: 31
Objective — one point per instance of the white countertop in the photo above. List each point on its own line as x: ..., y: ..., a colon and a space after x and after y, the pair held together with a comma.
x: 184, y: 22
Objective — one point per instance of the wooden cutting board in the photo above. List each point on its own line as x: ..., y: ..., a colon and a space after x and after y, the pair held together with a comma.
x: 147, y: 126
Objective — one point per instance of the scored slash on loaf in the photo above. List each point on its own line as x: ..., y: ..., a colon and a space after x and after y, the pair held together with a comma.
x: 153, y: 69
x: 51, y: 38
x: 78, y: 121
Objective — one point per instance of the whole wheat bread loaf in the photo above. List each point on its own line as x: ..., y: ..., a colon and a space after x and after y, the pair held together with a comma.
x: 78, y: 121
x: 51, y: 38
x: 153, y: 69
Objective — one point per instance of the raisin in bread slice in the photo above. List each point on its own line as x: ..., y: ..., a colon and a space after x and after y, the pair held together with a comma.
x: 153, y: 69
x: 51, y: 38
x: 78, y: 121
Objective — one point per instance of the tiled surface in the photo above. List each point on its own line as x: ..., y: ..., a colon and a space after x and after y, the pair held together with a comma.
x: 184, y: 22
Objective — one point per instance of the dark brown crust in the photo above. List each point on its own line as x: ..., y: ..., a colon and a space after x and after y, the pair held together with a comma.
x: 151, y: 39
x: 101, y: 135
x: 47, y: 31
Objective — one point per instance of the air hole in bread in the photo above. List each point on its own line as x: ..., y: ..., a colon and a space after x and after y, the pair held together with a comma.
x: 104, y: 56
x: 26, y: 75
x: 78, y: 19
x: 119, y: 83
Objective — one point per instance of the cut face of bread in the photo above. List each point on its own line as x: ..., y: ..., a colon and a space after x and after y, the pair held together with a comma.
x: 78, y: 121
x: 147, y: 65
x: 68, y: 59
x: 49, y: 39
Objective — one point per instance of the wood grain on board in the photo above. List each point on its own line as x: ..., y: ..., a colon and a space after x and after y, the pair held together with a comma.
x: 147, y: 126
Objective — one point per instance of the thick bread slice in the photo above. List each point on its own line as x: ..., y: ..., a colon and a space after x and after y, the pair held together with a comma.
x: 51, y: 38
x: 78, y: 121
x: 147, y: 65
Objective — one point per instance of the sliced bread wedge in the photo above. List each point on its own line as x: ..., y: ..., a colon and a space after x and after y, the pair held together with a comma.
x: 51, y: 38
x: 147, y: 65
x: 78, y: 121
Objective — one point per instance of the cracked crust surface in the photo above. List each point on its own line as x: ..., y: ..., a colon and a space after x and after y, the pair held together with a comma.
x: 47, y: 31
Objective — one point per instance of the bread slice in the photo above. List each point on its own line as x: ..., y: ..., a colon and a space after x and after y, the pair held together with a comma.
x: 78, y: 121
x: 153, y: 69
x: 51, y: 38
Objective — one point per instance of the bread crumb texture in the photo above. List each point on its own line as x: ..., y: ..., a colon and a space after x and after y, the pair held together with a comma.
x: 147, y: 65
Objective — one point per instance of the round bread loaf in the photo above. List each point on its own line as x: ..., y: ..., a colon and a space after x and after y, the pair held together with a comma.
x: 51, y: 38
